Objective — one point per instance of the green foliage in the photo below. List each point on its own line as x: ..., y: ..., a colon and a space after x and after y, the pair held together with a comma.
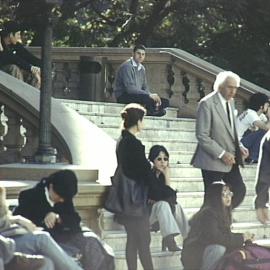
x: 231, y: 34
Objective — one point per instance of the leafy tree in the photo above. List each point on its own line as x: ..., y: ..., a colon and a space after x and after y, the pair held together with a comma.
x: 231, y: 34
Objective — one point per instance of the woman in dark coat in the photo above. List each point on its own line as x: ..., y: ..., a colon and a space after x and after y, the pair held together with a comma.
x: 210, y: 235
x: 131, y: 157
x: 165, y: 210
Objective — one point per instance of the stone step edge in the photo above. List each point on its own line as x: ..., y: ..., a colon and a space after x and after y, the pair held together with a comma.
x: 235, y: 226
x: 149, y: 128
x: 155, y: 252
x: 177, y: 119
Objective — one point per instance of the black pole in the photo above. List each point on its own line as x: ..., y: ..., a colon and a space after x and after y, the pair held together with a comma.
x: 46, y: 153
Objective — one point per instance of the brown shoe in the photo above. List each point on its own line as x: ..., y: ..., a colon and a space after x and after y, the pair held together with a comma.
x: 262, y: 215
x: 25, y: 262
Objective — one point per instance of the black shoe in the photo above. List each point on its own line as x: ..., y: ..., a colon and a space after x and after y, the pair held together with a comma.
x: 25, y: 262
x: 156, y: 113
x: 169, y: 242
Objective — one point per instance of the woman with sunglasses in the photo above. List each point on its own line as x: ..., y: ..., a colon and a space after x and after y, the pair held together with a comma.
x: 210, y: 235
x: 162, y: 198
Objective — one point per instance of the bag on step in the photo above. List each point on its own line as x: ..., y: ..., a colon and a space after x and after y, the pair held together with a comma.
x: 250, y: 257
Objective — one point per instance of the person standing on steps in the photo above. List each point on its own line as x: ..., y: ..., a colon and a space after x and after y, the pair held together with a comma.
x: 132, y: 160
x: 219, y: 153
x: 131, y: 85
x: 263, y: 181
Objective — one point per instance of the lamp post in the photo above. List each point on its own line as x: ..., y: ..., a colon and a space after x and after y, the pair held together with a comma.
x: 45, y: 152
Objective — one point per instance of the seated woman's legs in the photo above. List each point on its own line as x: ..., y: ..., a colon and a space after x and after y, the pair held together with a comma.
x: 181, y: 220
x: 161, y: 212
x: 41, y: 243
x: 212, y: 254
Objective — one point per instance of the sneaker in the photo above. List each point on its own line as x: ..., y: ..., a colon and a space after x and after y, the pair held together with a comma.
x: 25, y: 262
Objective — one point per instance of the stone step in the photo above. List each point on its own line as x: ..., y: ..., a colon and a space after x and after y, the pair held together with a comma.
x: 37, y: 171
x: 187, y: 171
x: 102, y: 107
x: 149, y: 121
x: 162, y: 260
x: 195, y: 199
x: 117, y: 240
x: 196, y: 184
x: 149, y: 132
x: 170, y: 144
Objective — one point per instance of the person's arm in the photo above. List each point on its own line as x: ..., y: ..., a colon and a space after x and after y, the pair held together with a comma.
x: 27, y: 56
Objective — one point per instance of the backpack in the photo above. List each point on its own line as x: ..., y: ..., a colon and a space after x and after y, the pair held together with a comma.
x: 250, y: 257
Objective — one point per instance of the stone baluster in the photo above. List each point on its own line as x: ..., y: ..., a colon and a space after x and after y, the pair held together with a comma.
x: 109, y: 75
x: 13, y: 140
x: 200, y: 88
x: 170, y: 79
x: 3, y: 127
x: 186, y: 83
x: 31, y: 138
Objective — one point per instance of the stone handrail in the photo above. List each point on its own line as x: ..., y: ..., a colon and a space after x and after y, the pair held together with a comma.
x: 73, y: 135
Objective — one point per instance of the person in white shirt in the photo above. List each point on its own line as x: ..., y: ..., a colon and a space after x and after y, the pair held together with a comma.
x: 253, y: 123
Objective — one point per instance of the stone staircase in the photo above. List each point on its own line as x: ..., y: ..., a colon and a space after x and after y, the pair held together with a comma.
x: 178, y: 136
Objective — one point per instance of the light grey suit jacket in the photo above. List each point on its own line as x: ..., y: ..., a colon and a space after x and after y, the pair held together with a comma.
x: 214, y: 135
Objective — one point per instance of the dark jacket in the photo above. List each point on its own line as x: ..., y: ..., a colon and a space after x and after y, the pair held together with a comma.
x: 18, y: 55
x: 159, y: 191
x: 207, y: 228
x: 34, y: 206
x: 131, y: 156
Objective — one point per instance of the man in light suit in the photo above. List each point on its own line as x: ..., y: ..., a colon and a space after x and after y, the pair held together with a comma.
x: 218, y: 153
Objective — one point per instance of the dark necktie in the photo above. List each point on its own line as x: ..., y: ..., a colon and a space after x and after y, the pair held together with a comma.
x: 228, y: 112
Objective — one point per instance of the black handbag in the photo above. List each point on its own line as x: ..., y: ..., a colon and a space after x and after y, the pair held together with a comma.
x: 126, y: 197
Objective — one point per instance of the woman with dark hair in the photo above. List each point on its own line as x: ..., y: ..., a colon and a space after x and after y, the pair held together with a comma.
x: 131, y: 158
x: 210, y: 235
x: 165, y: 210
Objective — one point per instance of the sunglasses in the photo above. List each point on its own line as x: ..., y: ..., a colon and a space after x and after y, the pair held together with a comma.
x: 227, y: 194
x: 164, y: 159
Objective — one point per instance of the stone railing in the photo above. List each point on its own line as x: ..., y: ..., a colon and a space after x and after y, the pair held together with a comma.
x: 89, y: 73
x: 73, y: 135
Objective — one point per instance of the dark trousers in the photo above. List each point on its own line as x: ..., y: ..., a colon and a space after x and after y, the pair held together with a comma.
x: 263, y: 181
x: 145, y: 100
x: 138, y: 241
x: 232, y: 178
x: 252, y: 142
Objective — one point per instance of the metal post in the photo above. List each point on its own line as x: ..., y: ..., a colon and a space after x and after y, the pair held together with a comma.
x: 46, y: 153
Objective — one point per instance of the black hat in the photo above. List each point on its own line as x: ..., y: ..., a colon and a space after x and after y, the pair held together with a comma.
x: 64, y: 183
x: 10, y: 27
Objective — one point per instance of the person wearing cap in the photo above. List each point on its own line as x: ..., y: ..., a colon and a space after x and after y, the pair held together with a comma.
x: 15, y: 59
x: 49, y: 204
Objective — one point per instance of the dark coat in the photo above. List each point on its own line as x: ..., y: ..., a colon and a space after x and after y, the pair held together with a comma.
x: 18, y: 55
x: 131, y: 156
x: 207, y: 228
x: 159, y: 191
x: 34, y: 206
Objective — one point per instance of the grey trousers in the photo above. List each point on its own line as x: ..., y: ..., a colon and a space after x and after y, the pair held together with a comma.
x: 211, y: 256
x: 42, y: 243
x: 169, y: 223
x: 7, y: 249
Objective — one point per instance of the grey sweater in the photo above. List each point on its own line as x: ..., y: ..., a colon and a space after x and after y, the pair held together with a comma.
x: 130, y: 80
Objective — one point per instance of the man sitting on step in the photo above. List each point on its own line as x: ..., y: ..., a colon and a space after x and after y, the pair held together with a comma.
x: 15, y: 59
x: 131, y: 85
x: 49, y: 205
